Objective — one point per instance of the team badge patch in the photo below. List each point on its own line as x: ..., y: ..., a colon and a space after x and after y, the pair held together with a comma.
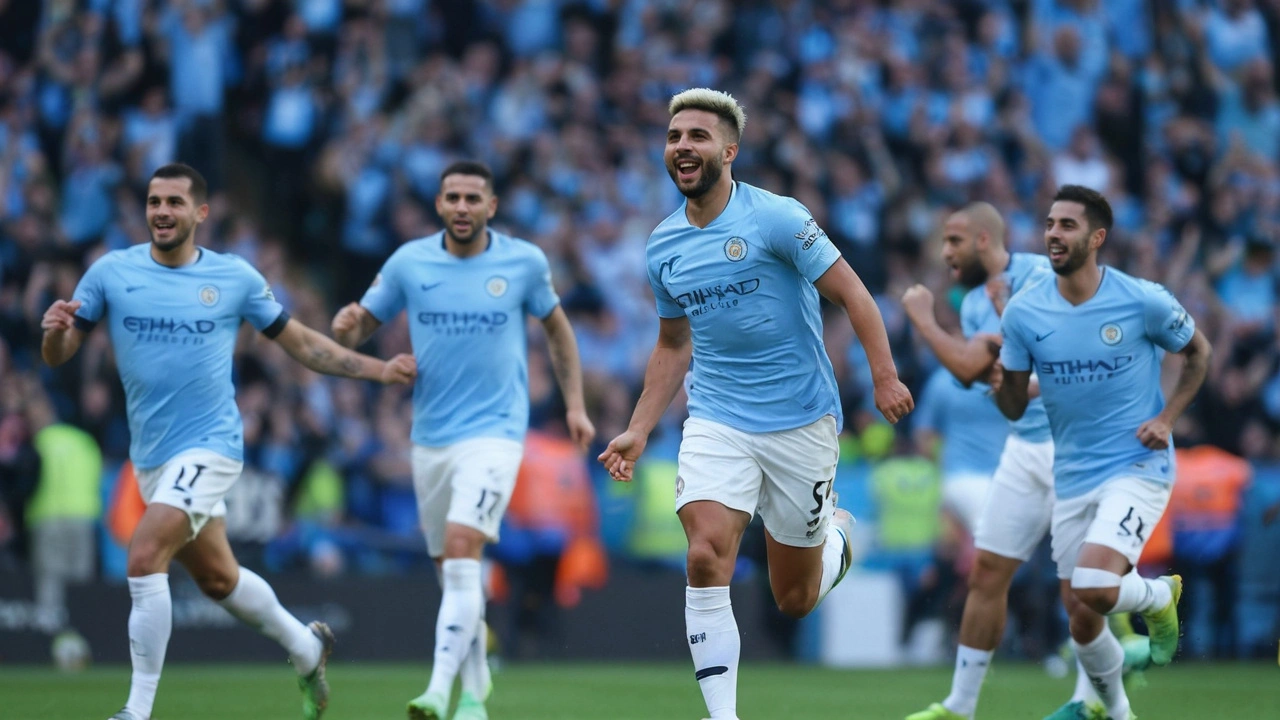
x: 1111, y: 334
x: 735, y: 248
x: 679, y: 486
x: 209, y: 295
x: 496, y: 286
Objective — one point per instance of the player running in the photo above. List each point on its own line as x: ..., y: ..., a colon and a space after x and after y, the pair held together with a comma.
x: 467, y: 290
x: 736, y: 272
x: 1013, y: 513
x: 174, y: 310
x: 1095, y: 337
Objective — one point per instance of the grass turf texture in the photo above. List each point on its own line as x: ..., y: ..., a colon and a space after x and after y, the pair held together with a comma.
x: 624, y: 692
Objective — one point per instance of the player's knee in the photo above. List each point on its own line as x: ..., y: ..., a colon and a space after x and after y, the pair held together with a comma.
x: 147, y: 557
x: 215, y: 583
x: 1097, y: 589
x: 704, y: 563
x: 463, y: 543
x: 797, y: 602
x: 989, y: 576
x: 1097, y: 599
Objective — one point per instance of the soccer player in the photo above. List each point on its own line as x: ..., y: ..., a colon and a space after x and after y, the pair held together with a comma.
x: 1095, y: 337
x: 1014, y: 515
x: 966, y: 432
x: 467, y: 290
x: 737, y: 272
x: 174, y: 310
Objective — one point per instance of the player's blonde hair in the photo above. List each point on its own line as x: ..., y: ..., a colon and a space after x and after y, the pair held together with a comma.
x: 713, y: 101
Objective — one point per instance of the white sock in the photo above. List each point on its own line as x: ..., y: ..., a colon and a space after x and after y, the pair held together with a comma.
x: 1103, y: 660
x: 1084, y: 691
x: 456, y: 623
x: 254, y: 603
x: 1138, y: 594
x: 832, y: 560
x: 150, y: 622
x: 715, y: 645
x: 966, y: 683
x: 475, y: 668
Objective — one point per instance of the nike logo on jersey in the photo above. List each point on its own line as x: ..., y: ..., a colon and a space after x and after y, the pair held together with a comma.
x: 131, y: 288
x: 1040, y: 337
x: 426, y: 287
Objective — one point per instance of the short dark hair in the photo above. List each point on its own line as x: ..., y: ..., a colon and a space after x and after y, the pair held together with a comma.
x: 1096, y: 208
x: 469, y: 167
x: 172, y: 171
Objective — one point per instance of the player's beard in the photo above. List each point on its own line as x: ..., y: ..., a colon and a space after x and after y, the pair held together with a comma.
x: 476, y: 231
x: 972, y: 273
x: 1077, y: 256
x: 711, y: 171
x: 175, y: 242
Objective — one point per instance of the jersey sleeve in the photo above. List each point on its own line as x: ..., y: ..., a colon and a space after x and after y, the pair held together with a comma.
x: 1168, y: 324
x: 1015, y: 353
x: 540, y: 297
x: 259, y: 305
x: 667, y: 305
x: 792, y: 234
x: 385, y: 297
x: 92, y: 295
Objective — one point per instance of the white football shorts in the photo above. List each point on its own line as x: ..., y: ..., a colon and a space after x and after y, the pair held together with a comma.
x: 195, y: 482
x: 469, y: 483
x: 1019, y: 502
x: 964, y: 495
x: 786, y: 475
x: 1120, y: 514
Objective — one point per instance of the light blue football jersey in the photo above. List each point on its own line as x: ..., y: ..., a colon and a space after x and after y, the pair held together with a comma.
x: 174, y: 335
x: 1099, y: 369
x: 972, y: 428
x: 746, y: 284
x: 978, y: 315
x: 467, y: 325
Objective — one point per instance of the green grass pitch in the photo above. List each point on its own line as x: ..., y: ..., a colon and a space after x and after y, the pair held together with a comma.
x: 625, y: 692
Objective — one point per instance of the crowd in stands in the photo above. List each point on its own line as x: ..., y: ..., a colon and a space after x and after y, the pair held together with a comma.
x: 323, y: 125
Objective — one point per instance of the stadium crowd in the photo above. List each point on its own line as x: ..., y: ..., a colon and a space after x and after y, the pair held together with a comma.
x: 323, y: 125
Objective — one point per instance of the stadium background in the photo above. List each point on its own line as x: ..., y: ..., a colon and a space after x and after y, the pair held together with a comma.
x: 322, y: 126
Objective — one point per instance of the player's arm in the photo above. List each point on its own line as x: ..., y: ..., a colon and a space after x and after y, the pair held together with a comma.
x: 968, y: 359
x: 353, y: 325
x: 842, y: 286
x: 662, y: 379
x: 320, y: 353
x: 567, y: 365
x: 1155, y: 432
x: 62, y: 337
x: 1012, y: 390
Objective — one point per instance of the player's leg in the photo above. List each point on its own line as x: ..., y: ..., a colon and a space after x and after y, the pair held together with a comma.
x: 159, y: 535
x: 714, y: 532
x: 717, y: 490
x: 1100, y: 657
x: 1015, y: 516
x: 806, y: 536
x: 1105, y: 577
x: 471, y: 482
x: 248, y: 597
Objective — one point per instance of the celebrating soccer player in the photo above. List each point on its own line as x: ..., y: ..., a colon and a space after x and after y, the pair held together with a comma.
x: 174, y: 310
x: 467, y: 290
x: 1095, y: 336
x: 1009, y: 518
x: 736, y: 272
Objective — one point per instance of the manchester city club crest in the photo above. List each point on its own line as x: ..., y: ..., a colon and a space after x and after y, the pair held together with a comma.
x: 735, y: 248
x: 496, y: 286
x: 209, y: 295
x: 1111, y: 334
